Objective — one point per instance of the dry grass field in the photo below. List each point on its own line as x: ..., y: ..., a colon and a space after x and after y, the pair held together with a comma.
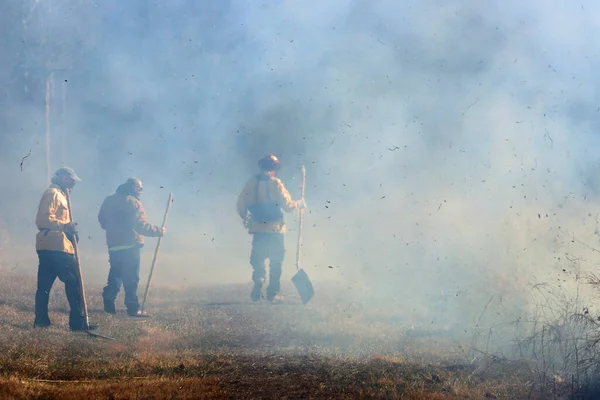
x: 214, y: 343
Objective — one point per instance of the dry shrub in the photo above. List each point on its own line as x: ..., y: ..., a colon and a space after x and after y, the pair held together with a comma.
x: 564, y: 344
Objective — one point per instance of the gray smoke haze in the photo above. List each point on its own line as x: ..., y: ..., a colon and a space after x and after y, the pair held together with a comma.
x: 449, y: 146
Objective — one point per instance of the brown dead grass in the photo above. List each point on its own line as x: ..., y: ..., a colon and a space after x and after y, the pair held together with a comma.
x: 212, y: 343
x: 152, y: 388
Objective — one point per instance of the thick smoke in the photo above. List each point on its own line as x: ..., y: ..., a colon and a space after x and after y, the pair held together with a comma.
x: 449, y: 145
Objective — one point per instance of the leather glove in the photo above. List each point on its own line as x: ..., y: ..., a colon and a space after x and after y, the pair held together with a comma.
x: 246, y: 220
x: 301, y: 204
x: 70, y: 228
x: 71, y: 232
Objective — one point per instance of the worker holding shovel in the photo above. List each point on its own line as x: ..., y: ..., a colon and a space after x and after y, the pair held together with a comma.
x: 260, y: 206
x: 55, y: 246
x: 124, y: 219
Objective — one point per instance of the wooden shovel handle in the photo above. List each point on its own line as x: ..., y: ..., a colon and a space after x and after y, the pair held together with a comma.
x: 156, y: 250
x: 77, y: 260
x: 300, y: 220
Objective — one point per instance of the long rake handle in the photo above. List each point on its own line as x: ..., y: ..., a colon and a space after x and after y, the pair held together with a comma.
x: 76, y: 249
x: 156, y: 250
x: 300, y: 220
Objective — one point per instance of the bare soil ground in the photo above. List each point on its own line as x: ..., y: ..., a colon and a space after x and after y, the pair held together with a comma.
x: 215, y: 343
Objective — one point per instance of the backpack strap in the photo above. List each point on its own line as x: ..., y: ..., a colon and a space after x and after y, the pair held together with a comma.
x: 256, y: 189
x: 260, y: 178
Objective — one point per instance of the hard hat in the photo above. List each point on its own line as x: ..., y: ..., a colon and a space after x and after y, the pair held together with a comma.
x: 68, y: 172
x: 269, y: 163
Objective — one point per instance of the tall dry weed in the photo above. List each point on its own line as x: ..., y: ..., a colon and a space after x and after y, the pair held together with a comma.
x: 563, y: 343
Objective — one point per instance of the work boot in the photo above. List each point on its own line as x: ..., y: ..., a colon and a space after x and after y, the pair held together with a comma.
x: 109, y: 307
x: 138, y: 314
x: 255, y: 294
x: 37, y: 324
x: 276, y: 299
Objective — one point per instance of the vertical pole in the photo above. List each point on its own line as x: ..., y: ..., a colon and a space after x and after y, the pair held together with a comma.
x: 77, y: 259
x: 63, y: 145
x: 48, y: 89
x: 156, y: 250
x: 300, y: 220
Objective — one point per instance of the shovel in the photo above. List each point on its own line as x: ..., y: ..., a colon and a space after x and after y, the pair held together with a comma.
x: 301, y: 279
x: 156, y: 250
x: 81, y: 286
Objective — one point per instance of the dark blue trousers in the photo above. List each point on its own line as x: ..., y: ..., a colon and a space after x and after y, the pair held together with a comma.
x: 271, y: 246
x: 124, y: 270
x: 61, y: 265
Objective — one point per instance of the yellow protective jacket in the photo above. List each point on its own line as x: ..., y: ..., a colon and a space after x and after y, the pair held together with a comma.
x: 52, y: 216
x: 260, y: 204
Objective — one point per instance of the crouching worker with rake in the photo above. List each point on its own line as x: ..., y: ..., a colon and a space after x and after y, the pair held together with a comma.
x: 260, y: 206
x: 56, y: 252
x: 124, y: 219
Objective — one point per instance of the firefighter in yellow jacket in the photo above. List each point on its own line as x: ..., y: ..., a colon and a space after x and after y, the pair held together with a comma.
x: 54, y: 246
x: 260, y: 206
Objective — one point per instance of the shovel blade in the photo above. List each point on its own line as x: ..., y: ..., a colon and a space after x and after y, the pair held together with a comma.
x: 303, y: 286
